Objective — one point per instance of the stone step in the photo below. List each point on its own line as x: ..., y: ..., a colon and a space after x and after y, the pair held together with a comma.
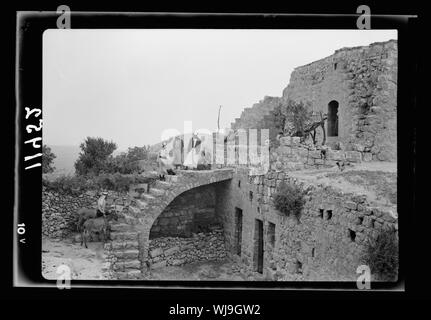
x: 131, y: 254
x: 127, y: 265
x: 157, y: 192
x: 141, y: 203
x: 128, y: 275
x: 171, y: 178
x: 120, y: 227
x: 162, y: 184
x: 147, y: 197
x: 124, y: 236
x: 124, y: 244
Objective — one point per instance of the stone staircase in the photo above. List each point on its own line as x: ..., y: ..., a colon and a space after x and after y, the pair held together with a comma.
x: 128, y: 251
x: 124, y: 252
x: 253, y: 118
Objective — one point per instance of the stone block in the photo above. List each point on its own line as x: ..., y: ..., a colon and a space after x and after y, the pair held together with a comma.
x: 156, y: 252
x: 285, y: 141
x: 177, y: 262
x: 350, y: 205
x: 134, y: 274
x: 135, y: 264
x: 127, y: 254
x: 157, y: 265
x: 296, y: 140
x: 367, y: 156
x: 353, y: 156
x: 171, y: 251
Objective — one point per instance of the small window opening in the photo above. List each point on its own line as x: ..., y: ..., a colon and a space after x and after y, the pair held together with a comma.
x: 352, y: 235
x: 271, y: 234
x: 298, y: 267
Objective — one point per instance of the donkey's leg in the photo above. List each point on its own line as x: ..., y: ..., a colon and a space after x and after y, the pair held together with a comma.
x: 85, y: 238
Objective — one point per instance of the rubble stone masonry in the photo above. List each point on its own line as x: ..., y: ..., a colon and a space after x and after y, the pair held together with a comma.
x: 325, y: 243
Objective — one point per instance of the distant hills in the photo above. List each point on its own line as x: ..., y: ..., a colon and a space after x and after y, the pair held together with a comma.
x: 65, y: 158
x: 66, y: 155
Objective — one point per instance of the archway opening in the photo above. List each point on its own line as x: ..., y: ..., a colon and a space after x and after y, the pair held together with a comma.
x: 333, y: 119
x: 187, y: 231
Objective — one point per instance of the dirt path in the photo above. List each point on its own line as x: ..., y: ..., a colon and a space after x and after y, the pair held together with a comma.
x: 85, y: 264
x: 207, y: 271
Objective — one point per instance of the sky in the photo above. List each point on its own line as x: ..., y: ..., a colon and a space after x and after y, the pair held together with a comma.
x: 129, y: 86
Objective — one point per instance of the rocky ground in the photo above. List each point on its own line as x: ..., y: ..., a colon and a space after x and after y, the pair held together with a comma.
x: 85, y: 264
x: 376, y: 180
x: 225, y: 270
x: 88, y: 264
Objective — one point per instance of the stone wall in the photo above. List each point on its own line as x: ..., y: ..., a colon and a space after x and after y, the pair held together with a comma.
x: 259, y: 116
x: 174, y: 251
x: 292, y: 155
x: 363, y: 80
x: 191, y: 212
x: 59, y: 210
x: 325, y: 244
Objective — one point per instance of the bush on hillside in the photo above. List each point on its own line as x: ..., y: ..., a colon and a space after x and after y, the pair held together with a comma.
x: 381, y: 255
x: 289, y: 199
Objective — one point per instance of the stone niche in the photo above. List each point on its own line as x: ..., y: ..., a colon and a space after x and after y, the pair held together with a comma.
x: 191, y: 212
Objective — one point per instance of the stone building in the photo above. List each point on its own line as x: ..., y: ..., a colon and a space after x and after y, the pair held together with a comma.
x: 356, y: 88
x: 211, y: 214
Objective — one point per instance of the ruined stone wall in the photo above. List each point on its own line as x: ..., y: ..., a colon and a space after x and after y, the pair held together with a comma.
x: 174, y: 251
x: 292, y: 155
x: 191, y: 212
x: 326, y: 243
x: 259, y: 116
x: 59, y: 210
x: 363, y: 80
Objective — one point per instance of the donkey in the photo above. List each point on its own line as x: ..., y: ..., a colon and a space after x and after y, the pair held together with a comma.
x: 100, y: 225
x: 83, y: 215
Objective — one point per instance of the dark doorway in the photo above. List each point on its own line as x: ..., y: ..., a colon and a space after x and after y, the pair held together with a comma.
x: 258, y: 245
x: 238, y: 231
x: 333, y: 119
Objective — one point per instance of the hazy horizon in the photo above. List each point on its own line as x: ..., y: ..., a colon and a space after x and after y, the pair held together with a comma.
x: 129, y: 85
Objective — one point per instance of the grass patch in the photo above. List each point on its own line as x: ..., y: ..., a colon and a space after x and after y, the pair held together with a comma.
x: 383, y: 183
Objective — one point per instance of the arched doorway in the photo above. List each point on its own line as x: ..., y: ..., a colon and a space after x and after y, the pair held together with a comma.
x: 333, y: 119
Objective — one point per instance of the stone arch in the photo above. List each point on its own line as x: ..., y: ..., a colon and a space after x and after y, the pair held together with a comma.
x: 192, y: 211
x: 333, y: 121
x: 182, y: 183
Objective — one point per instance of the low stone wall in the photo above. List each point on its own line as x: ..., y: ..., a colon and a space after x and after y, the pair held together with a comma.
x: 59, y: 210
x: 292, y: 155
x: 174, y: 251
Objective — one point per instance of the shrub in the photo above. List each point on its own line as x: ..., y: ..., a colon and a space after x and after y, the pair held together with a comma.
x: 66, y: 184
x: 76, y: 184
x: 292, y: 118
x: 289, y: 199
x: 95, y: 156
x: 381, y: 255
x: 47, y: 159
